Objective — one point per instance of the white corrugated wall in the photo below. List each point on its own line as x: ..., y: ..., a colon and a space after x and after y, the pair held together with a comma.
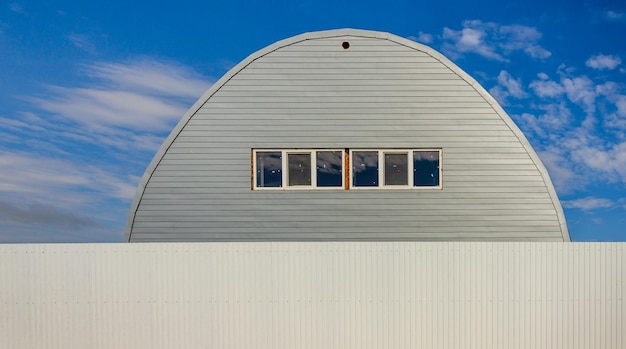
x: 313, y: 295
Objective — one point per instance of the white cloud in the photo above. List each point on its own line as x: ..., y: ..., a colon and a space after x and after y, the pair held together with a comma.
x: 552, y: 122
x: 603, y: 62
x: 493, y: 41
x: 45, y: 177
x: 143, y: 95
x: 588, y: 203
x: 83, y: 148
x: 99, y: 108
x: 522, y: 38
x: 422, y: 37
x: 581, y: 90
x: 149, y: 76
x: 512, y: 85
x: 609, y: 162
x: 508, y: 86
x: 547, y: 88
x: 470, y: 40
x: 537, y: 52
x: 563, y: 176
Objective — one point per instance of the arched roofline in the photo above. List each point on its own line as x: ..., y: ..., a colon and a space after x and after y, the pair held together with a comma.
x: 339, y: 33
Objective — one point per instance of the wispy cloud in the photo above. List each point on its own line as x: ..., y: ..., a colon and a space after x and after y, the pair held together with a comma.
x: 493, y: 41
x: 43, y: 214
x: 565, y: 179
x: 508, y: 86
x: 17, y: 8
x: 422, y: 37
x: 82, y: 42
x: 616, y: 16
x: 588, y: 203
x: 603, y: 62
x: 139, y: 96
x: 79, y: 146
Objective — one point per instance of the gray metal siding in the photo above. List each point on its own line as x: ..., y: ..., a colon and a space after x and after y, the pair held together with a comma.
x: 376, y: 94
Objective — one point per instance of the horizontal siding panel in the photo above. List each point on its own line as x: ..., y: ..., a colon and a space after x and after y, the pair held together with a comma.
x: 452, y: 112
x: 203, y: 193
x: 148, y: 219
x: 398, y: 141
x: 363, y: 100
x: 347, y: 92
x: 347, y: 132
x: 366, y: 236
x: 483, y: 191
x: 384, y: 106
x: 322, y: 211
x: 393, y: 202
x: 426, y: 122
x: 344, y: 76
x: 278, y: 58
x: 347, y: 69
x: 448, y: 151
x: 339, y: 82
x: 370, y: 208
x: 418, y: 64
x: 349, y: 224
x: 373, y: 55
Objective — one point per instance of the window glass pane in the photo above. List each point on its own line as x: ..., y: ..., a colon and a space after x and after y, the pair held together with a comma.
x: 365, y: 168
x: 396, y: 169
x: 299, y: 169
x: 329, y: 168
x: 426, y: 168
x: 269, y: 169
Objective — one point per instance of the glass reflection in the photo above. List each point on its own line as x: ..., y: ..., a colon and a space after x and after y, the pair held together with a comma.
x: 269, y: 169
x: 396, y: 169
x: 426, y: 168
x: 299, y: 169
x: 329, y: 168
x: 365, y: 168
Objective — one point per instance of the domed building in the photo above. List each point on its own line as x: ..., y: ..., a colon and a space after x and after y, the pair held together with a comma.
x: 346, y: 135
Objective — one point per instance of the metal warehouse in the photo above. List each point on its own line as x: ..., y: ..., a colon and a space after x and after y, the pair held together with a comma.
x: 346, y: 135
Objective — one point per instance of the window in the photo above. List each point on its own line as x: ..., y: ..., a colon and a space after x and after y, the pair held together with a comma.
x: 269, y: 169
x: 285, y: 169
x: 426, y: 169
x: 364, y: 168
x: 305, y: 169
x: 395, y: 168
x: 329, y: 168
x: 299, y: 173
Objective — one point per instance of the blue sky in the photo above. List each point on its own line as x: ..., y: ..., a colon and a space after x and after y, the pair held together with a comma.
x: 89, y: 90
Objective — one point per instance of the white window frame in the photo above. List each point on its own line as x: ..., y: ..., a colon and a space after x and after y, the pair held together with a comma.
x: 349, y: 186
x: 285, y: 169
x: 381, y: 169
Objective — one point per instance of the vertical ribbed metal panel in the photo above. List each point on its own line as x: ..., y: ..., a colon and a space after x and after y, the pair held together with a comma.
x: 313, y: 295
